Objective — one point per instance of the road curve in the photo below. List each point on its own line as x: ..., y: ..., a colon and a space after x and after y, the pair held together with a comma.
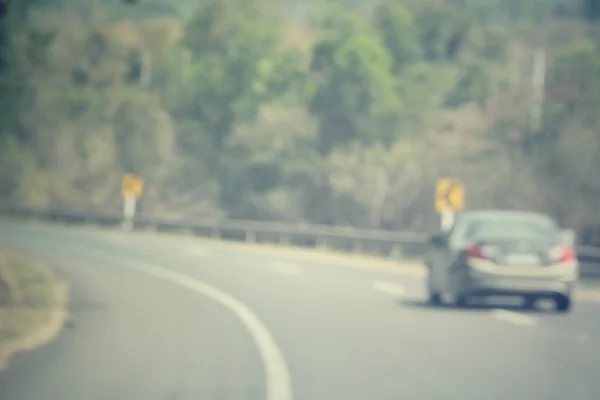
x: 135, y: 337
x: 343, y: 333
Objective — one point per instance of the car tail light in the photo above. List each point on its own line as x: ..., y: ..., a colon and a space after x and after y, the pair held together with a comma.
x: 474, y: 252
x: 563, y: 254
x: 567, y: 254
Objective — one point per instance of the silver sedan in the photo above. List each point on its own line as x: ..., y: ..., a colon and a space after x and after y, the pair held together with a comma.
x: 501, y: 252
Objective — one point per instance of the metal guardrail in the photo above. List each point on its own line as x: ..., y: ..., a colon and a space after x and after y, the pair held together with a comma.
x: 372, y: 241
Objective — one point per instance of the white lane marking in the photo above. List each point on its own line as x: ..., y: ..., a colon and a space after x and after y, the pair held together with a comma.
x: 112, y: 238
x: 287, y: 268
x: 582, y: 338
x: 197, y: 252
x: 513, y: 317
x: 279, y: 386
x: 411, y: 273
x: 388, y: 288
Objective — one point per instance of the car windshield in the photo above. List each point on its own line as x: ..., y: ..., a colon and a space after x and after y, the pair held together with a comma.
x: 508, y: 228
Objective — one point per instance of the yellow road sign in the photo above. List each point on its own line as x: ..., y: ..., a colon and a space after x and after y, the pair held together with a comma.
x: 132, y: 186
x: 449, y: 195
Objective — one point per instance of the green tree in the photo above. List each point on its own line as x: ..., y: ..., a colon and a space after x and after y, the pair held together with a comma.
x: 573, y: 88
x: 353, y: 74
x: 443, y: 28
x: 396, y: 25
x: 472, y: 86
x: 232, y: 44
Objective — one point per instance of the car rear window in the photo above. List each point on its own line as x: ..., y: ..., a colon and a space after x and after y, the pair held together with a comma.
x: 510, y: 228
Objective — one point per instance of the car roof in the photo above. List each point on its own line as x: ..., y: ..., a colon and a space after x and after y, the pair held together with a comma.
x: 505, y: 214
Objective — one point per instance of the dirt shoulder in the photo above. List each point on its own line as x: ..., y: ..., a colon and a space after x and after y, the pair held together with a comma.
x: 33, y: 304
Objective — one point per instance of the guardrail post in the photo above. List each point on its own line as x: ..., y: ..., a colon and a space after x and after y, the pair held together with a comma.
x: 285, y: 239
x: 216, y: 232
x: 320, y: 243
x: 396, y: 251
x: 128, y: 212
x: 250, y: 236
x: 447, y: 219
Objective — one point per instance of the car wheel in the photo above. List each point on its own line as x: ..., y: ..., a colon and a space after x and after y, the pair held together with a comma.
x: 563, y: 303
x: 435, y: 298
x: 461, y: 301
x: 529, y: 302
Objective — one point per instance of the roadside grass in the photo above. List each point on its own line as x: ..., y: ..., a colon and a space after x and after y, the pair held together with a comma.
x: 33, y: 305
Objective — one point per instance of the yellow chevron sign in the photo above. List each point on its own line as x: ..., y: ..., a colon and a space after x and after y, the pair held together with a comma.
x: 449, y: 195
x: 132, y: 186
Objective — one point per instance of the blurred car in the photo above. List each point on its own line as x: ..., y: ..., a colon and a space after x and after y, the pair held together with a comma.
x: 498, y: 252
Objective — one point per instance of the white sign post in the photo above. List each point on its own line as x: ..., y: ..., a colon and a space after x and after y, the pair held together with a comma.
x: 132, y: 189
x: 128, y: 212
x: 446, y: 219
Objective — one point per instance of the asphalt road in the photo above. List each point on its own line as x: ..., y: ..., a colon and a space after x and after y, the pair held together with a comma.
x: 166, y: 318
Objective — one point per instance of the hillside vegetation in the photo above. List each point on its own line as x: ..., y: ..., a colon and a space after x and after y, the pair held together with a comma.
x: 334, y: 112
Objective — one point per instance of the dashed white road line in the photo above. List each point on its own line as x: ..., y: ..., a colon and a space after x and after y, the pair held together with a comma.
x: 197, y: 252
x: 388, y: 288
x: 112, y: 239
x: 582, y: 338
x: 287, y: 268
x: 513, y: 317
